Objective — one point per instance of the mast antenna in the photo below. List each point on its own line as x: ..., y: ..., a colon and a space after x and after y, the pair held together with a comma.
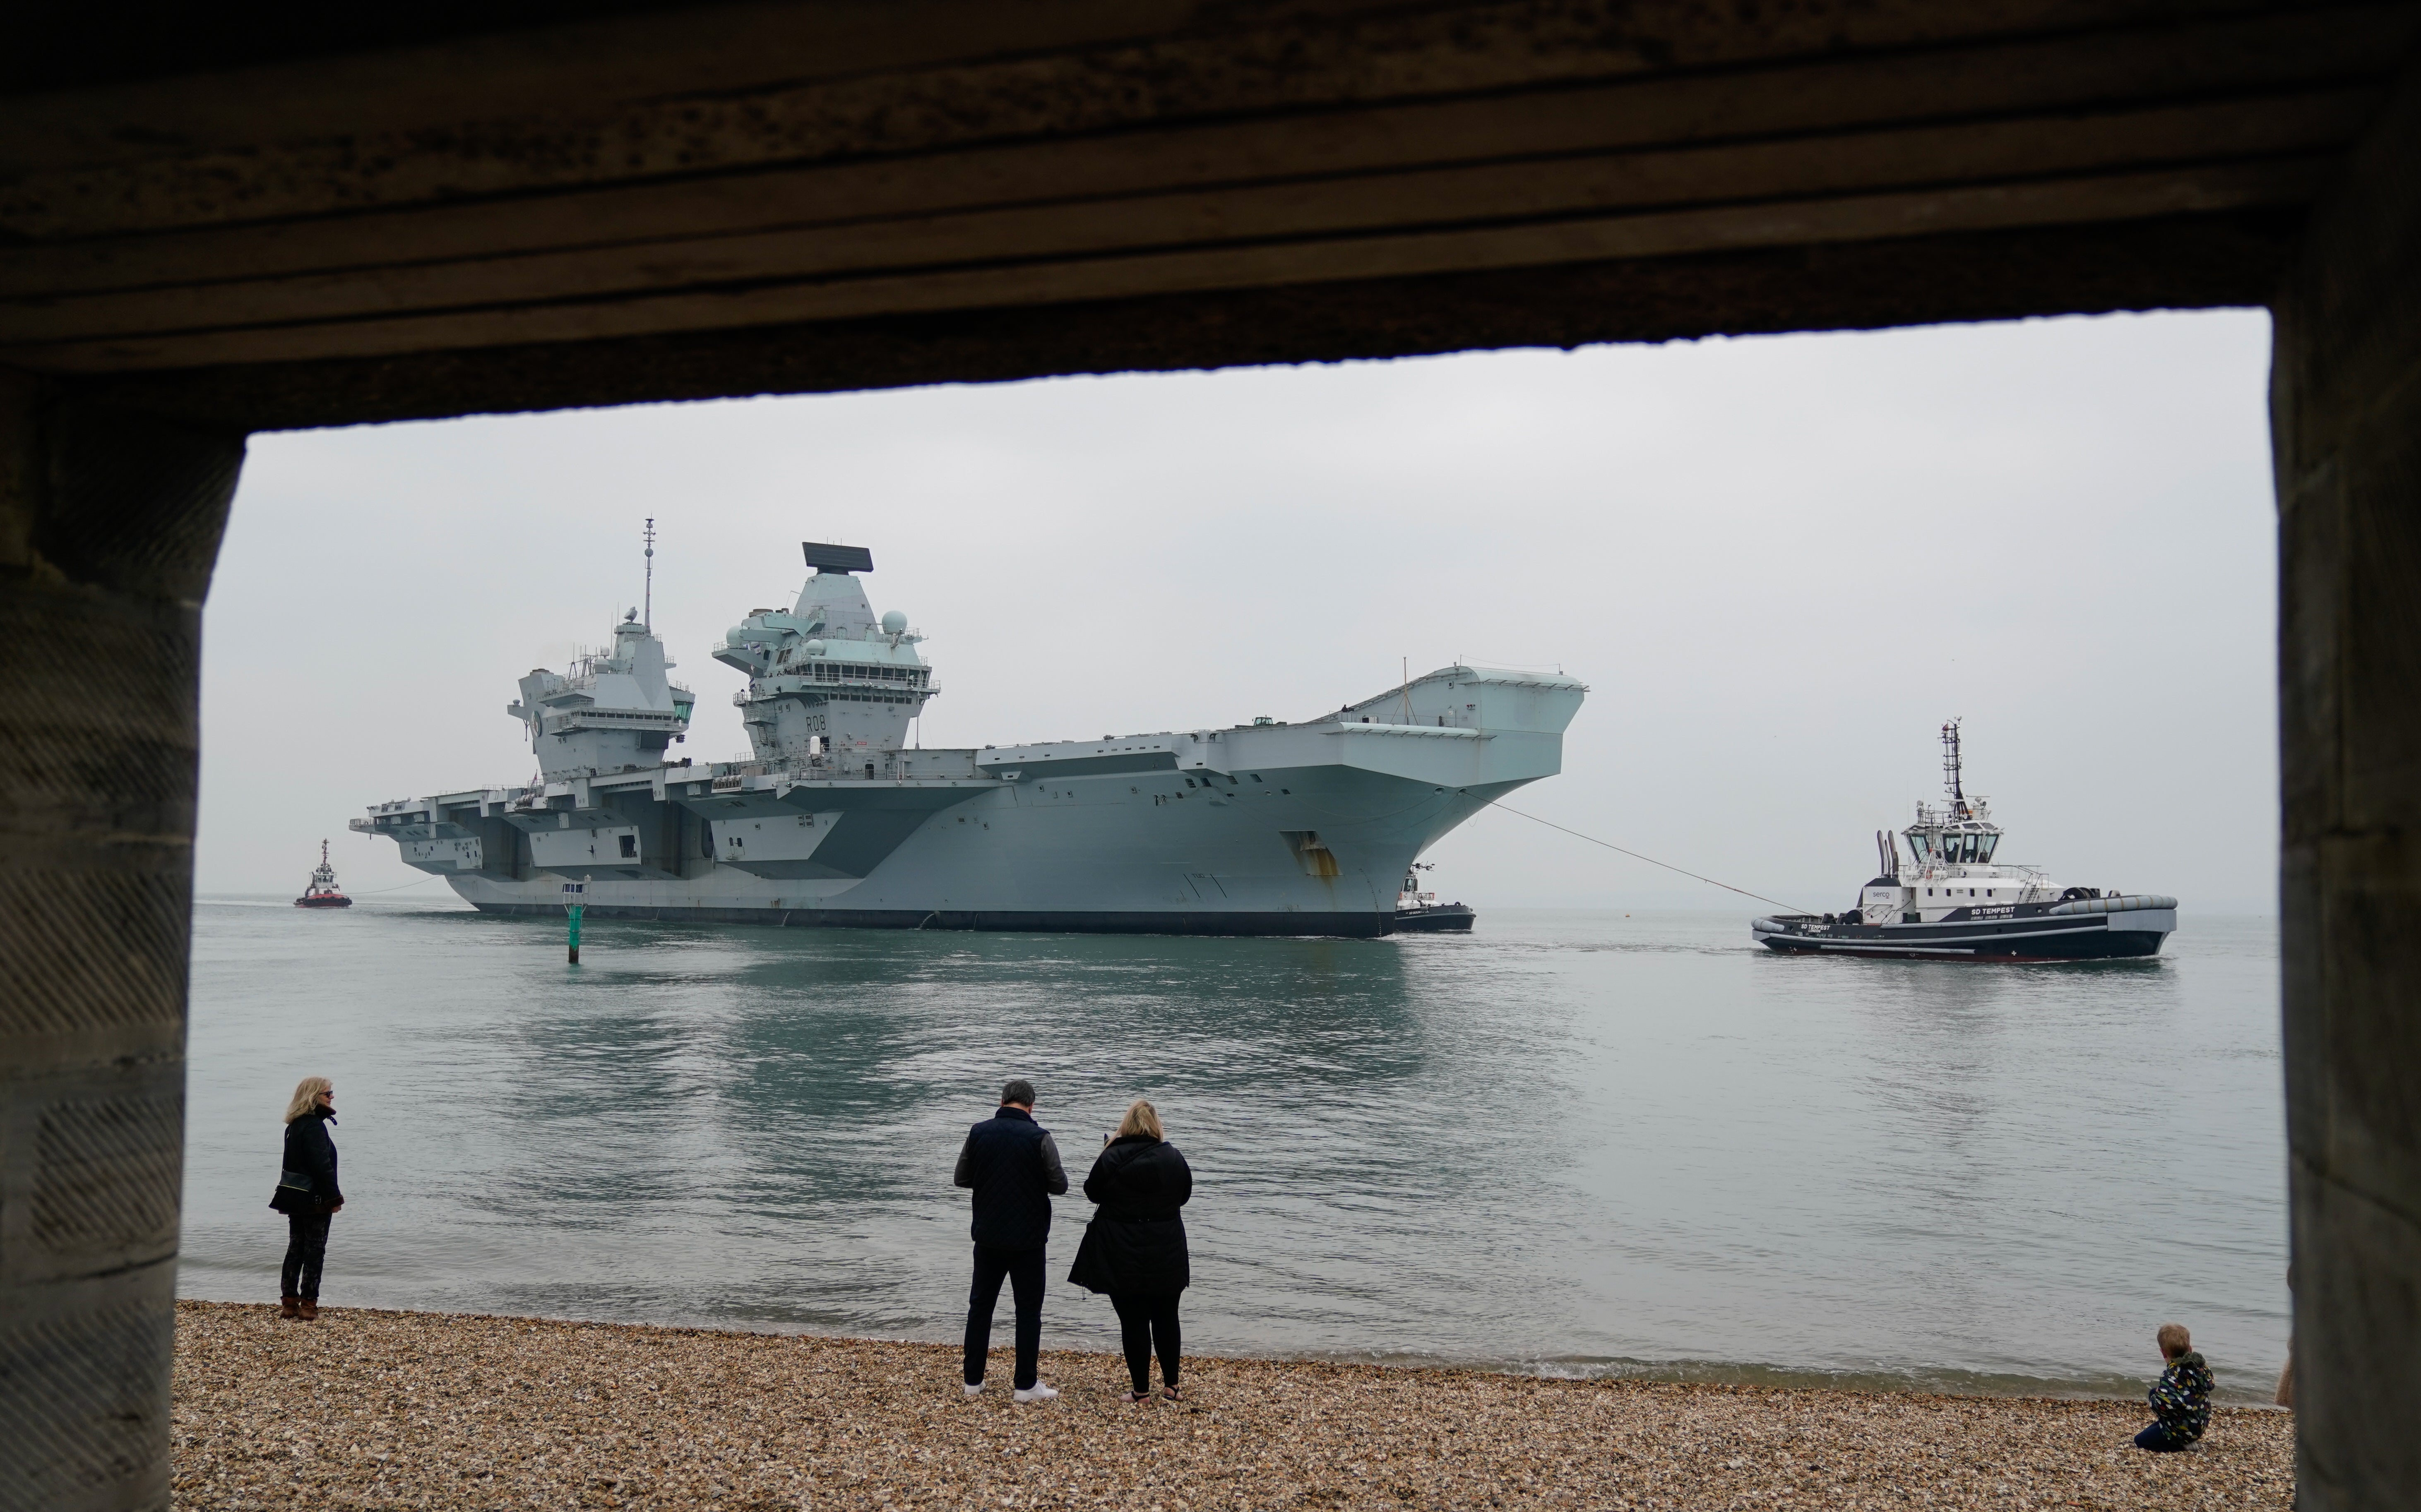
x: 1950, y: 766
x: 648, y: 612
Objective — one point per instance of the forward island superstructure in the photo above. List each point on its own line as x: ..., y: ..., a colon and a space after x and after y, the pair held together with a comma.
x: 1271, y: 827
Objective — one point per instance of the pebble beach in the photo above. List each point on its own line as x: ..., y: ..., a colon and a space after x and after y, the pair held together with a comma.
x: 373, y: 1408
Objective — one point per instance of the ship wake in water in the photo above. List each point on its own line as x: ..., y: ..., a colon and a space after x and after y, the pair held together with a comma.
x: 1268, y: 828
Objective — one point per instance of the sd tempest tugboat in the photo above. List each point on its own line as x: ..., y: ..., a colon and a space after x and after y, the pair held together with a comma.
x: 321, y: 891
x: 1957, y: 903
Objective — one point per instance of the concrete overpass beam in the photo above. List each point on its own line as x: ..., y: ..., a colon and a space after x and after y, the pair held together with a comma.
x: 109, y: 524
x: 2346, y: 414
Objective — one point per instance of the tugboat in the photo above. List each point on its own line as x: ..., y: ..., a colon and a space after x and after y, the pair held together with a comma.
x: 1956, y: 902
x: 321, y: 892
x: 1419, y: 912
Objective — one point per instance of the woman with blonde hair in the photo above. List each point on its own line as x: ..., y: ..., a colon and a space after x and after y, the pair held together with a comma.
x: 1134, y: 1247
x: 308, y: 1194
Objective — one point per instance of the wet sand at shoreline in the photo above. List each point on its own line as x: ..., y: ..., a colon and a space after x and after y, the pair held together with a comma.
x: 368, y: 1409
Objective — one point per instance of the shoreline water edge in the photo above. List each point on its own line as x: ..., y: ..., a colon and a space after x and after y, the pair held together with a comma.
x: 1569, y: 1143
x: 2239, y: 1385
x: 392, y: 1408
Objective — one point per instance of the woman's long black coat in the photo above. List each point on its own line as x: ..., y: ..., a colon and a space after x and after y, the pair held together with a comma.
x: 1140, y: 1183
x: 310, y: 1152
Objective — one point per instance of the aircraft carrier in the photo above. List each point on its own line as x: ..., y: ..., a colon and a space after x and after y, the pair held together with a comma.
x: 1300, y: 827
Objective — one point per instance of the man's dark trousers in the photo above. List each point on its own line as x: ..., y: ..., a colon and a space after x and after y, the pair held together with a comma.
x: 1023, y: 1269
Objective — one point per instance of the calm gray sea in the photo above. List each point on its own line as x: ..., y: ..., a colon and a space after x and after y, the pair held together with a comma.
x: 1576, y: 1143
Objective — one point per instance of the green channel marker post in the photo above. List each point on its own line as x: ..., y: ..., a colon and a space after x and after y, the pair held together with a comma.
x: 574, y: 891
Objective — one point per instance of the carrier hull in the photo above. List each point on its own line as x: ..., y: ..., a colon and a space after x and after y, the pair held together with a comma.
x: 1252, y: 829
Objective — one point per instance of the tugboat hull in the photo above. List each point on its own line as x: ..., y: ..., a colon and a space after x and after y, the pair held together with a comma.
x: 2107, y: 929
x: 1437, y: 918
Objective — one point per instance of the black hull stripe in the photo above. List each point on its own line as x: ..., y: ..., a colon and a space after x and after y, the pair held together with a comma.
x: 1955, y: 936
x: 1450, y: 919
x: 1345, y: 925
x: 2098, y: 945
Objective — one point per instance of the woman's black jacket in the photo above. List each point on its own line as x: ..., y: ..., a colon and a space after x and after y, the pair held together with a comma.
x: 1140, y: 1183
x: 311, y: 1154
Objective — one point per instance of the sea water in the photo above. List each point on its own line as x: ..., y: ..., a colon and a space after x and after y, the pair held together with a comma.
x: 1571, y: 1143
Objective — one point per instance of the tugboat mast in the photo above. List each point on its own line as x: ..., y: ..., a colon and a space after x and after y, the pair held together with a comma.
x: 1950, y: 768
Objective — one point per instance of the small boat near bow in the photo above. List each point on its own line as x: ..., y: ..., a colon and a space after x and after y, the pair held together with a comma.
x: 1418, y: 911
x: 321, y: 891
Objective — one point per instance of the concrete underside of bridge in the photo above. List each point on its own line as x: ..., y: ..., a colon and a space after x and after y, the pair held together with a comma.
x: 211, y: 224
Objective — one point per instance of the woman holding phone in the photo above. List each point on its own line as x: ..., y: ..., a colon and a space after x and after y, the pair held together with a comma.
x: 1134, y: 1247
x: 308, y: 1194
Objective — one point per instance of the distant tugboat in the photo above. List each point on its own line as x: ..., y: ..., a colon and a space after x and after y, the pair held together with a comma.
x: 322, y: 892
x: 1958, y: 904
x: 1418, y: 912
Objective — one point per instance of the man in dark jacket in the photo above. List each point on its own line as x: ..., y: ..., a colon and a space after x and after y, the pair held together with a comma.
x: 1013, y: 1166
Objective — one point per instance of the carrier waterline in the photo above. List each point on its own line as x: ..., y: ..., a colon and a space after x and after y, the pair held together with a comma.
x: 1263, y: 828
x: 1956, y: 902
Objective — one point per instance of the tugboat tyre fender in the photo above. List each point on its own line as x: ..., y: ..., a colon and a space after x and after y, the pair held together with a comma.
x: 2116, y: 904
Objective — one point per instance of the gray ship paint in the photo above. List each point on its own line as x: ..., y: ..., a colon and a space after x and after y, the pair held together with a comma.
x: 1295, y: 827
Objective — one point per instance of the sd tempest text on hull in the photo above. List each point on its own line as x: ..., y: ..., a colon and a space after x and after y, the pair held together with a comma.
x: 1957, y: 903
x: 1265, y: 828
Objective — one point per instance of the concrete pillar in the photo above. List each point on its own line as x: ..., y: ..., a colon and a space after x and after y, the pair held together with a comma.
x: 109, y: 523
x: 2346, y: 414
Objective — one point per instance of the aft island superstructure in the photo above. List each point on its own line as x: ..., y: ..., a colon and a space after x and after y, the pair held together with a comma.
x: 1271, y: 827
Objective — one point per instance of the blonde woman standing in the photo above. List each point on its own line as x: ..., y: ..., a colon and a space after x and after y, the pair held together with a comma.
x: 308, y: 1194
x: 1134, y: 1247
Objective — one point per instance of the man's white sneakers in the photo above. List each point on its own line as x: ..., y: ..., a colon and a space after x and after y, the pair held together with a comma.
x: 975, y: 1390
x: 1037, y: 1392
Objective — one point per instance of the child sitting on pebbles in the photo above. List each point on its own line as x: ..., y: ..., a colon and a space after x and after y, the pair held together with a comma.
x: 2181, y: 1397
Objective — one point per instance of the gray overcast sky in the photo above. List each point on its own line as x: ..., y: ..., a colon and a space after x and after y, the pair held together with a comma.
x: 1779, y: 563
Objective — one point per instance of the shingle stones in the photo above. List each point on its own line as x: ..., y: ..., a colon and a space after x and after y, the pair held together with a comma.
x: 409, y: 1410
